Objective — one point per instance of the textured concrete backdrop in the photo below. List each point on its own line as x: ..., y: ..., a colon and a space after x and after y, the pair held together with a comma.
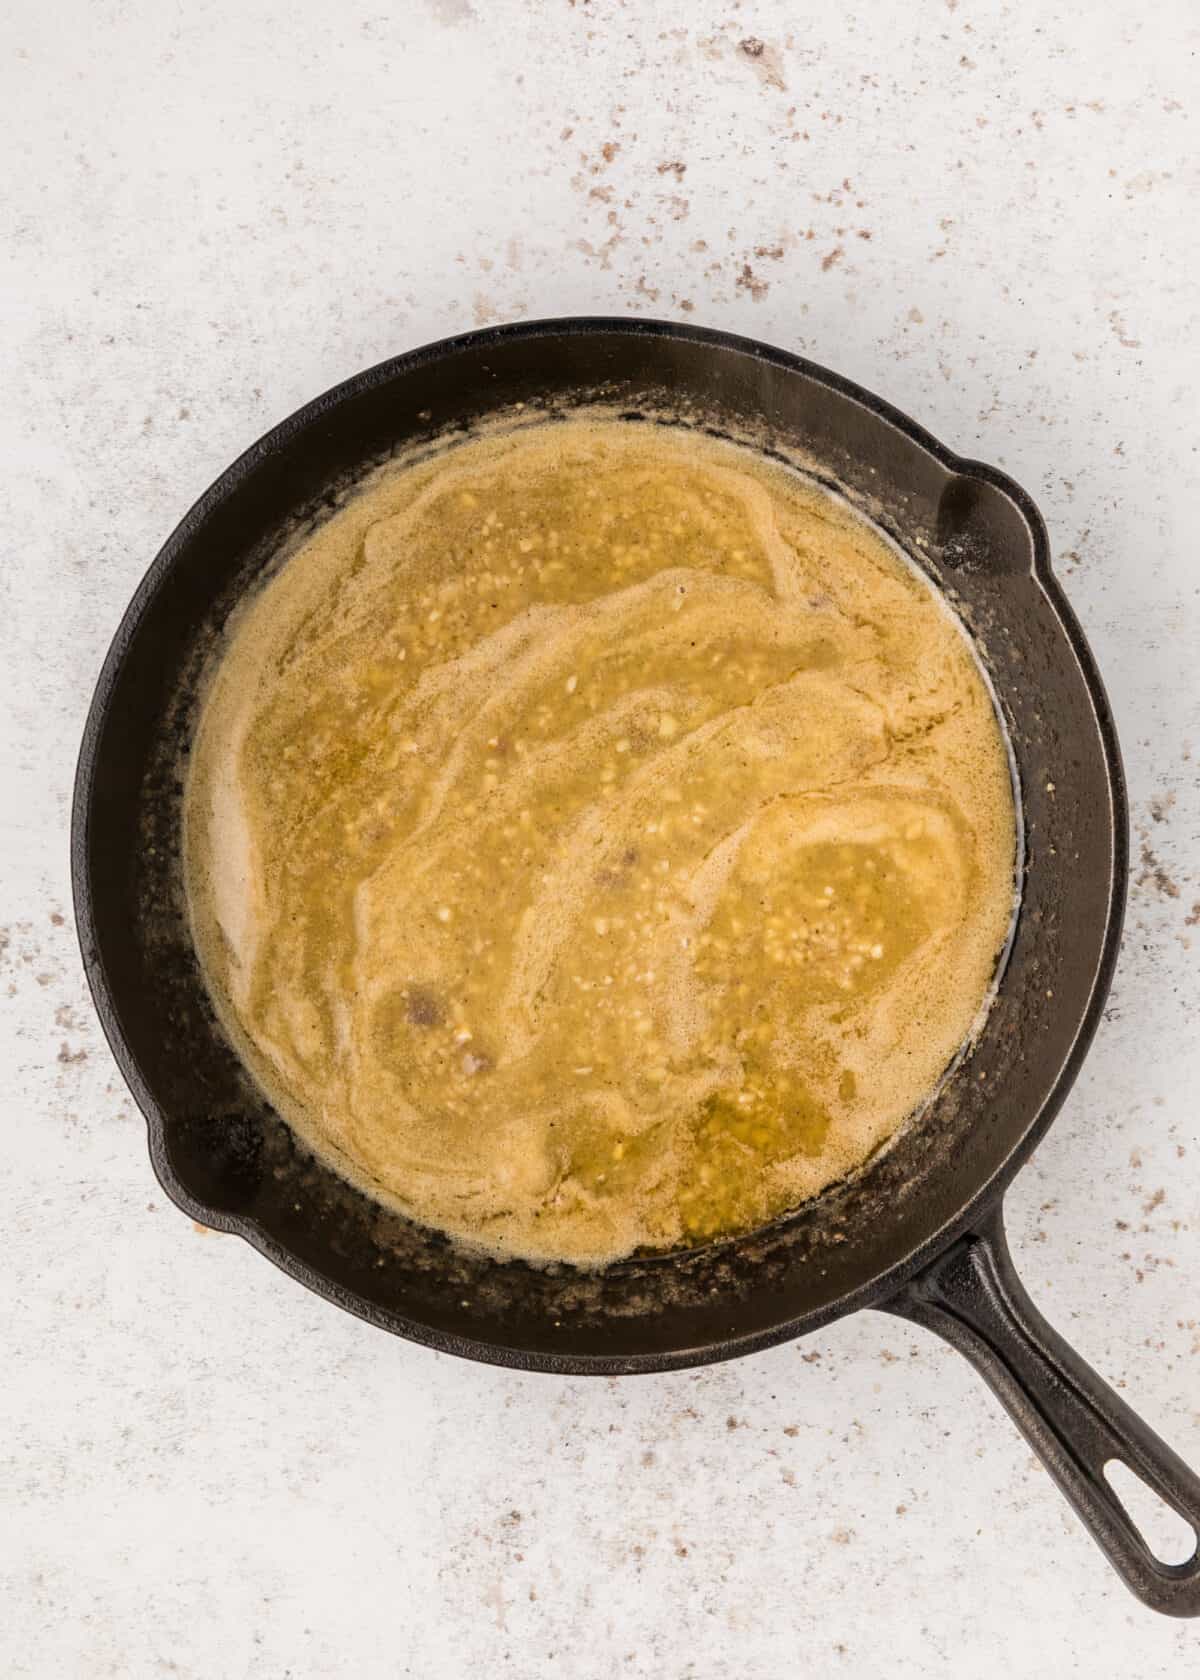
x: 213, y: 211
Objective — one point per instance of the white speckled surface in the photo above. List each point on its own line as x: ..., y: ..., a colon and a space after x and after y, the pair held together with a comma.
x: 985, y: 212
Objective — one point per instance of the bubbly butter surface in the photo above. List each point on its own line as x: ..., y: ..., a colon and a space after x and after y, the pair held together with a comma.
x: 597, y: 836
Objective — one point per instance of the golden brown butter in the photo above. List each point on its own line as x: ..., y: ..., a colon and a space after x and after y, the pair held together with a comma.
x: 598, y: 836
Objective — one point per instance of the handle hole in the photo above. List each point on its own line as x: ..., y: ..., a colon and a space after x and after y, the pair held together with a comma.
x: 1169, y: 1536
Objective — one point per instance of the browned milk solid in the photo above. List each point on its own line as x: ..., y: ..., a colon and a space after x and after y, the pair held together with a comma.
x: 598, y: 837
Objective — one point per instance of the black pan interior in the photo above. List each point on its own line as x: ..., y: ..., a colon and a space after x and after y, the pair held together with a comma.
x: 218, y: 1147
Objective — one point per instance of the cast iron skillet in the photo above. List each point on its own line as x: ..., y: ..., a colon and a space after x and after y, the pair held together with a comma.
x: 920, y: 1231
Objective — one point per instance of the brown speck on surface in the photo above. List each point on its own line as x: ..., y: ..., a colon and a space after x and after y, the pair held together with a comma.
x: 1160, y: 807
x: 609, y: 150
x: 1155, y: 1201
x: 748, y: 281
x: 1192, y: 919
x: 1154, y: 875
x: 603, y: 252
x: 687, y: 306
x: 774, y: 252
x: 765, y: 61
x: 916, y: 317
x: 68, y: 1056
x: 673, y: 167
x: 810, y: 1358
x: 901, y: 1510
x: 792, y: 1430
x: 57, y: 918
x: 1117, y: 323
x: 842, y: 1536
x: 832, y: 257
x: 735, y: 1423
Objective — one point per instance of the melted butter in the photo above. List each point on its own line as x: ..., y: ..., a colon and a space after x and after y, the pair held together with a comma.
x: 598, y: 837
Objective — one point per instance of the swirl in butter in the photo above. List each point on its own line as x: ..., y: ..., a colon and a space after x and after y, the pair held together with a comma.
x: 598, y: 837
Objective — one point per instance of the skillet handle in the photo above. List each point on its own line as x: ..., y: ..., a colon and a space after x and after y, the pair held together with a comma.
x: 972, y: 1296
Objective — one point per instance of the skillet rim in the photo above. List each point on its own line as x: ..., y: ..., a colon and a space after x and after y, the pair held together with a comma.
x: 891, y: 1279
